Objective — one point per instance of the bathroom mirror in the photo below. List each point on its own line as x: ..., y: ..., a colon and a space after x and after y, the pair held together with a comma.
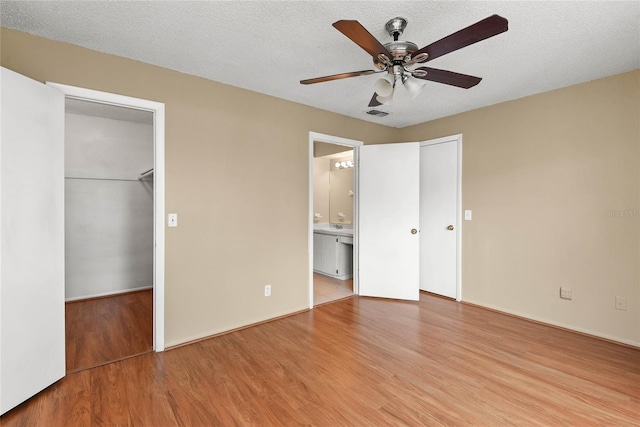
x: 341, y: 192
x: 332, y: 185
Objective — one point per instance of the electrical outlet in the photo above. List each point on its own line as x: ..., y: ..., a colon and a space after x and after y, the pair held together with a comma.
x: 566, y: 293
x: 267, y: 290
x: 621, y: 303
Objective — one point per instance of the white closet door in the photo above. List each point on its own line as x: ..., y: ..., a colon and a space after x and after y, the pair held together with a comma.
x: 32, y: 340
x: 438, y: 218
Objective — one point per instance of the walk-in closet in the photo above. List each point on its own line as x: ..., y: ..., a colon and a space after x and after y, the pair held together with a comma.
x: 109, y: 162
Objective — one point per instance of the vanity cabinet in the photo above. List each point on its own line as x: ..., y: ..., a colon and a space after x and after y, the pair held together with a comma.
x: 333, y: 255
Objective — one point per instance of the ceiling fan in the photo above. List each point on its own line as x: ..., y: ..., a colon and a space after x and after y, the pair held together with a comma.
x: 397, y: 58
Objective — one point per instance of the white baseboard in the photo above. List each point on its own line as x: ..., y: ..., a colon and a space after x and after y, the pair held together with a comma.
x: 106, y: 294
x: 552, y: 323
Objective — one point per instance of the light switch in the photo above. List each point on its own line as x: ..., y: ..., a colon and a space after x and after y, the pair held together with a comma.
x: 467, y: 215
x: 173, y: 220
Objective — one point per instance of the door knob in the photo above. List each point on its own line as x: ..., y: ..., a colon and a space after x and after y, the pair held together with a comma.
x: 450, y: 227
x: 414, y: 231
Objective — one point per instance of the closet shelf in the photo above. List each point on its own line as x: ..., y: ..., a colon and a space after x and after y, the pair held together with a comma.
x: 147, y: 173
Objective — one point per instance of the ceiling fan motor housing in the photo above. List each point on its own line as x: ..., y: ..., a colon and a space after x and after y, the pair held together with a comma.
x: 400, y: 50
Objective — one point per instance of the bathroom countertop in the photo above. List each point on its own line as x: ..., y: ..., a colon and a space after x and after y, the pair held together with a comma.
x: 325, y: 228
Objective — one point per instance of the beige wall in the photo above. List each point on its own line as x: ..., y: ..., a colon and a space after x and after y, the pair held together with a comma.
x: 541, y: 175
x: 243, y: 222
x: 321, y: 149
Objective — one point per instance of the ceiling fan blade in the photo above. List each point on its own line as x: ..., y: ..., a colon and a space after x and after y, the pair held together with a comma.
x: 479, y: 31
x: 374, y: 101
x: 336, y: 77
x: 449, y: 77
x: 363, y: 38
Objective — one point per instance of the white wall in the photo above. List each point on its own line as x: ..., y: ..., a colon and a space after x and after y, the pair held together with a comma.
x: 108, y: 211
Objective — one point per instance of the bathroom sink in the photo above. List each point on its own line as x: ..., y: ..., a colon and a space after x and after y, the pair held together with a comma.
x: 329, y: 229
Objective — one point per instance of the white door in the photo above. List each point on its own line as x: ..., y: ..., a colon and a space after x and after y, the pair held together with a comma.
x: 32, y: 341
x: 388, y: 220
x: 439, y: 217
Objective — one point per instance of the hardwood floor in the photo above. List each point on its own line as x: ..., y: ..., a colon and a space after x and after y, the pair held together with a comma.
x: 360, y: 361
x: 102, y: 330
x: 327, y: 289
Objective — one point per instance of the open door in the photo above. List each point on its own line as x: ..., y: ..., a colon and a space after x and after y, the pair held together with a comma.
x: 389, y: 212
x: 32, y: 351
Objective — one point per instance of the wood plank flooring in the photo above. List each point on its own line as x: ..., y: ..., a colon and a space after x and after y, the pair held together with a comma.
x: 102, y: 330
x: 364, y: 362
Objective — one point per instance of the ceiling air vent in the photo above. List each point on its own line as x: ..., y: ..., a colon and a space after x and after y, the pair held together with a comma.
x: 377, y: 113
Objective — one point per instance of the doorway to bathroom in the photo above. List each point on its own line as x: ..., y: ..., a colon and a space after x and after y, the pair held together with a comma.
x: 334, y: 218
x: 386, y: 235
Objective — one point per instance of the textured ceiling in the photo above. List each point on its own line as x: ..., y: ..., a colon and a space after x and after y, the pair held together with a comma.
x: 269, y: 46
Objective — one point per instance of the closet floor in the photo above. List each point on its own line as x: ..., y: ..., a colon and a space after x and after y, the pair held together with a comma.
x: 102, y: 330
x: 327, y: 289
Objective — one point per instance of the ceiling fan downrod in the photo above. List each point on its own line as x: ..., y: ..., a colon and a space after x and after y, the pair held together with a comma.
x: 400, y: 50
x: 395, y: 27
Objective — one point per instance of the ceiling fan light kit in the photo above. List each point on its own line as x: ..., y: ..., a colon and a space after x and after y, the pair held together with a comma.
x: 413, y: 85
x: 385, y: 85
x: 383, y: 100
x: 397, y: 57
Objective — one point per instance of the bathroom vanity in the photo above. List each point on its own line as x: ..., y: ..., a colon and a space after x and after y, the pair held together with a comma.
x: 333, y: 251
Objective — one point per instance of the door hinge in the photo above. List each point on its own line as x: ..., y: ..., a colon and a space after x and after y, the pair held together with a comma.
x: 336, y: 240
x: 336, y: 271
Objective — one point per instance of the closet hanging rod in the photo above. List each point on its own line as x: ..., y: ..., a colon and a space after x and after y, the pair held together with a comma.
x: 147, y: 173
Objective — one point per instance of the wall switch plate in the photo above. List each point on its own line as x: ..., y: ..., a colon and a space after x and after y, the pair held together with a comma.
x: 621, y: 303
x: 267, y: 290
x: 566, y: 293
x: 172, y: 219
x: 467, y: 215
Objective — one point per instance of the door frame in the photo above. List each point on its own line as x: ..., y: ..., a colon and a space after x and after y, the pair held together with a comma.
x: 354, y: 144
x: 458, y: 140
x: 157, y: 108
